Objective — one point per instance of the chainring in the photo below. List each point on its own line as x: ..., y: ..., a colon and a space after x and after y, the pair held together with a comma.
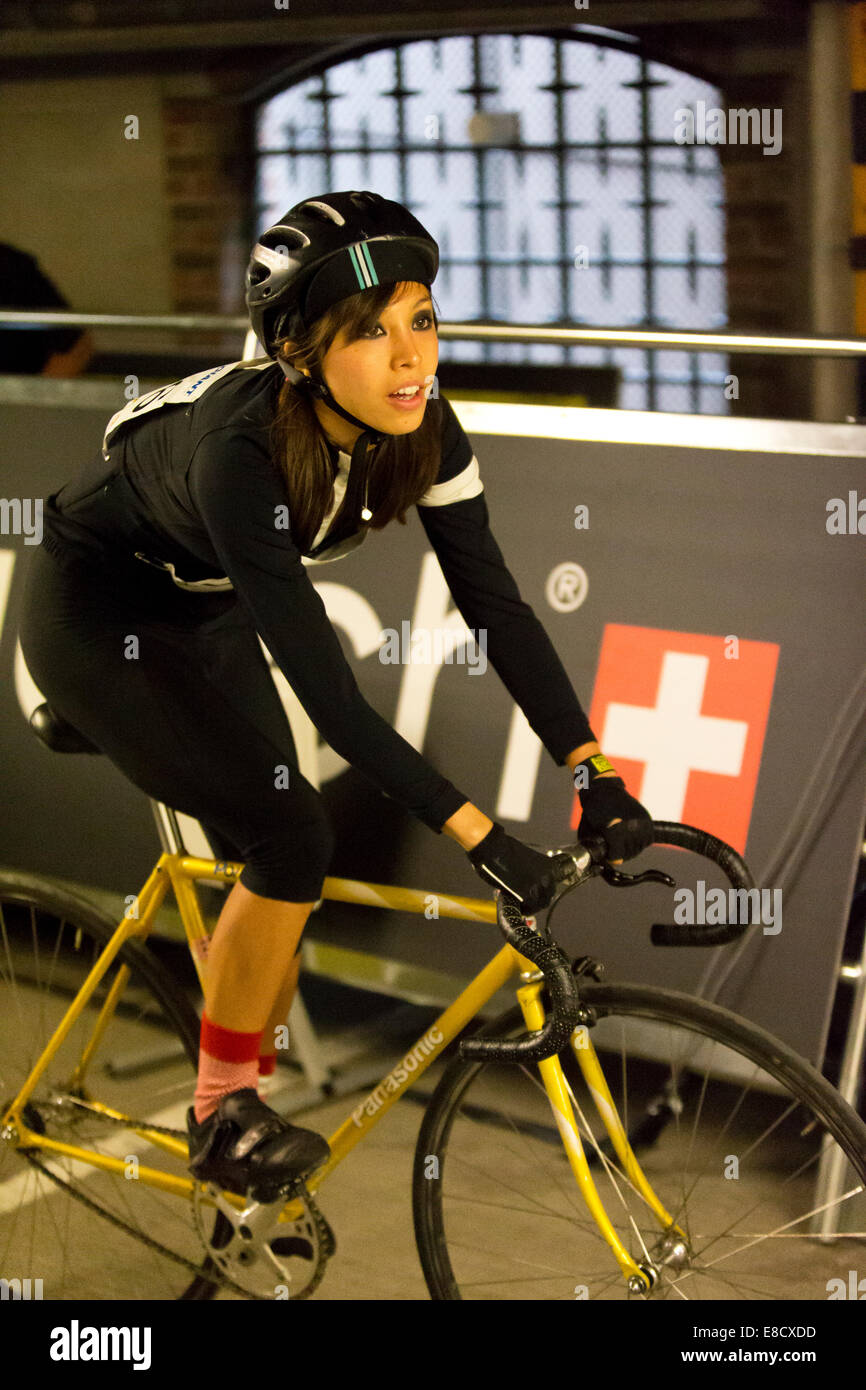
x: 266, y: 1257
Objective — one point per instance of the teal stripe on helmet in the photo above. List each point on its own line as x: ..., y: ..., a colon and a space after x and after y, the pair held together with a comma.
x: 372, y: 268
x: 358, y: 268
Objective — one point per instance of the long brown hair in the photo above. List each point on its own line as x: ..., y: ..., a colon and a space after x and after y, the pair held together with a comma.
x: 398, y: 471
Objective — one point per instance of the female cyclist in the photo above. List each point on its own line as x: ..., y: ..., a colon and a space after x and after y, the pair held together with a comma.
x: 189, y: 536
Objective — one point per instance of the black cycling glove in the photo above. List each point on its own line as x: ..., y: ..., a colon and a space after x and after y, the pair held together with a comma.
x: 606, y: 799
x: 522, y: 872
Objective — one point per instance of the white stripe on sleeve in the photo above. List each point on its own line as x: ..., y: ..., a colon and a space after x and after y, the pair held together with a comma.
x: 465, y: 484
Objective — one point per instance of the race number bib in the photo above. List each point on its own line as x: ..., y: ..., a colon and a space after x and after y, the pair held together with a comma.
x: 176, y: 393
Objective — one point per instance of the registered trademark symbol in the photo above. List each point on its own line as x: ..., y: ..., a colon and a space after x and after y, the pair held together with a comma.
x: 567, y: 586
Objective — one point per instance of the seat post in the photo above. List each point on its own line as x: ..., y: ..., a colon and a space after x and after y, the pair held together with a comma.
x: 167, y: 828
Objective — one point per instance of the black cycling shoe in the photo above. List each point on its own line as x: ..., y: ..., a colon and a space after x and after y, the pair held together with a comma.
x: 246, y: 1146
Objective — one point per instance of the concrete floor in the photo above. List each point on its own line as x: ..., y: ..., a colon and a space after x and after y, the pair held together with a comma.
x: 367, y: 1200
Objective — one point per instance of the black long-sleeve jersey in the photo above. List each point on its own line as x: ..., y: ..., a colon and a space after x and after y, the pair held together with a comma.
x: 185, y: 480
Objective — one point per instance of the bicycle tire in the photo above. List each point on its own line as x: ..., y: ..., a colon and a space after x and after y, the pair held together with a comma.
x: 24, y: 892
x: 656, y: 1006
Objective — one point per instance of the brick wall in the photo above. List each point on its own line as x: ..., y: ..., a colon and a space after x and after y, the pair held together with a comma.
x: 206, y: 203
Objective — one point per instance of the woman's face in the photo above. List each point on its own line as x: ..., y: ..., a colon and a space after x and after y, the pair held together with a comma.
x: 402, y: 350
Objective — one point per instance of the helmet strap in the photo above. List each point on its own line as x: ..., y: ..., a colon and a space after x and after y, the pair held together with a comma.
x: 316, y: 386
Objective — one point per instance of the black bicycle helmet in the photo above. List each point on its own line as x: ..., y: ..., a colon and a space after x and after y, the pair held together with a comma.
x: 326, y: 249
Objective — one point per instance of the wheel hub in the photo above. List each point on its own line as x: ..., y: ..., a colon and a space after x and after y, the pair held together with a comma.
x: 673, y: 1252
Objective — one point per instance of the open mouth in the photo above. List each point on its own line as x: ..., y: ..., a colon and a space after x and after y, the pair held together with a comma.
x: 408, y: 395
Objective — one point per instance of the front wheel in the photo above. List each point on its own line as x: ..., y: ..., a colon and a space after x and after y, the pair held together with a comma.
x: 730, y: 1127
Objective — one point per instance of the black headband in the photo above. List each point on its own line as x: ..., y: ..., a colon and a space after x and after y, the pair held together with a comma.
x: 362, y: 266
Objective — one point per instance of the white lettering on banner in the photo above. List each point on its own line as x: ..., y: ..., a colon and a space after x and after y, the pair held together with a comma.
x: 7, y: 565
x: 419, y: 679
x: 28, y: 692
x: 356, y: 616
x: 519, y: 769
x: 674, y: 738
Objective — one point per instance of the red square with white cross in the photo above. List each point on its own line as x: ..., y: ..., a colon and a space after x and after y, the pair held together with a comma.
x: 682, y: 716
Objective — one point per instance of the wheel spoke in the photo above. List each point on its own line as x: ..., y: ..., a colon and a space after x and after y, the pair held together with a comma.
x: 47, y: 950
x: 689, y: 1094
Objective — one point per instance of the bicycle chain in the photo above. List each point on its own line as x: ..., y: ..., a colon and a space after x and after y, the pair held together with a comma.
x: 327, y: 1243
x: 130, y: 1230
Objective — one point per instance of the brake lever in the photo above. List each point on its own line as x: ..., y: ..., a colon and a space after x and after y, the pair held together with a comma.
x: 589, y: 863
x: 617, y: 879
x: 596, y: 847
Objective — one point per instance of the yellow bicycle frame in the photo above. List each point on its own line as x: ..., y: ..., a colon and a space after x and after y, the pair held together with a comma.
x: 180, y: 872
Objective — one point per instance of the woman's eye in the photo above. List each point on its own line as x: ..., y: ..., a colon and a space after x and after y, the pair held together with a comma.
x: 425, y: 320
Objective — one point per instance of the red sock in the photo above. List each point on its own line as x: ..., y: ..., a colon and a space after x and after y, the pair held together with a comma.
x: 227, y: 1062
x: 267, y: 1063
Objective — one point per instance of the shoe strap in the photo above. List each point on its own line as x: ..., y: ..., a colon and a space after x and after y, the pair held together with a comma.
x: 251, y: 1138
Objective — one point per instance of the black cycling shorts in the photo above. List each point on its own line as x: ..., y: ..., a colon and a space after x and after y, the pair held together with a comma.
x: 175, y: 689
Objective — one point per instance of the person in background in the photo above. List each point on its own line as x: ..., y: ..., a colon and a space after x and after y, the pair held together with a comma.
x: 35, y: 351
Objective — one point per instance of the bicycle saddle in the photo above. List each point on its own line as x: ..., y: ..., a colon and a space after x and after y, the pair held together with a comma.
x: 58, y: 735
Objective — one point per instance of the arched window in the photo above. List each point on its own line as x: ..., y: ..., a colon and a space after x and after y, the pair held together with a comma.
x: 546, y: 167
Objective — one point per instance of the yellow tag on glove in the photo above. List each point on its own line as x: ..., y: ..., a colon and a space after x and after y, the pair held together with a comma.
x: 600, y: 763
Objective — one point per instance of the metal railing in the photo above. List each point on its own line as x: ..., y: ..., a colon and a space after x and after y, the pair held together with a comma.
x: 794, y: 345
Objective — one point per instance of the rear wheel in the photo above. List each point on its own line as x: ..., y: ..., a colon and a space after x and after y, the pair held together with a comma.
x: 144, y: 1245
x: 730, y: 1128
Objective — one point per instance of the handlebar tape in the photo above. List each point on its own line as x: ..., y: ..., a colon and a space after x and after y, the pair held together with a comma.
x: 699, y: 842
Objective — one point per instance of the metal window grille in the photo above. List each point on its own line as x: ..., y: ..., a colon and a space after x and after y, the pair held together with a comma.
x: 546, y: 168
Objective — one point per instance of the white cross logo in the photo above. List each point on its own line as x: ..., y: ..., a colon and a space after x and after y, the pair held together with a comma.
x: 674, y: 738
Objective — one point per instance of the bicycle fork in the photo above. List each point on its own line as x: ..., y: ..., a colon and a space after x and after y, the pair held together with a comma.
x: 640, y: 1278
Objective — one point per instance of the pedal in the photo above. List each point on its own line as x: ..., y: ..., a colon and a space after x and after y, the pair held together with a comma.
x: 266, y: 1195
